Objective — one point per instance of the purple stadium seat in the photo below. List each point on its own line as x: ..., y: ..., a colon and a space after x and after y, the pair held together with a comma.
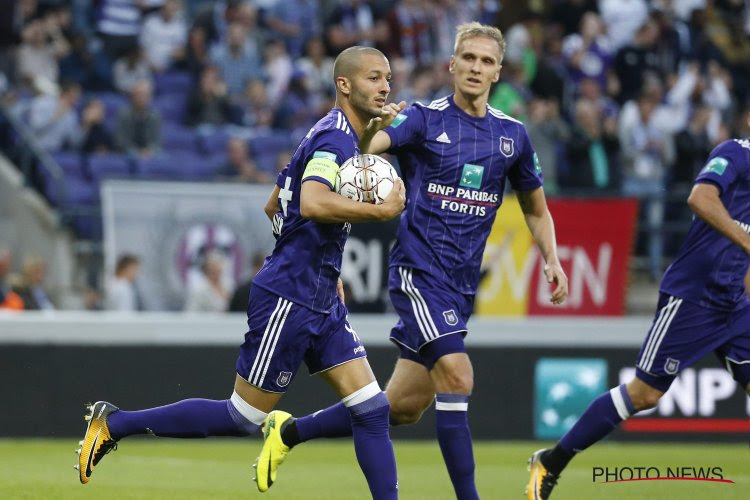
x: 71, y: 190
x: 162, y: 166
x: 178, y: 138
x: 173, y: 82
x: 203, y: 167
x: 215, y: 142
x: 109, y: 165
x: 171, y: 107
x: 113, y: 103
x: 70, y: 161
x: 88, y: 226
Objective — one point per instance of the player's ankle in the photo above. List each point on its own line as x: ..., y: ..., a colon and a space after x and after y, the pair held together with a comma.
x: 289, y: 433
x: 555, y: 460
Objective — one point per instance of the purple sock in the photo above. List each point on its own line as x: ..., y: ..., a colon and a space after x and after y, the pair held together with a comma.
x: 373, y: 446
x: 600, y: 418
x: 332, y: 422
x: 455, y: 442
x: 190, y: 418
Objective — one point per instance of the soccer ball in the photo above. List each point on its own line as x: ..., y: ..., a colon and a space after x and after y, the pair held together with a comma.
x: 366, y: 178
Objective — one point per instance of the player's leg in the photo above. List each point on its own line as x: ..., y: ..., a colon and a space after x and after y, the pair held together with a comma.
x: 240, y: 415
x: 453, y: 378
x: 681, y: 334
x: 368, y: 409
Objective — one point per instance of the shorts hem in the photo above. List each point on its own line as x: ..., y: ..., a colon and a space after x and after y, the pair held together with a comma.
x: 337, y: 364
x: 419, y: 348
x: 259, y: 387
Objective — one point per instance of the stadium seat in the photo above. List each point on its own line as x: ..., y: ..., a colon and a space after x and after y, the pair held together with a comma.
x: 109, y: 165
x: 200, y: 167
x: 70, y: 161
x: 113, y: 103
x: 173, y: 82
x: 171, y: 107
x: 215, y: 142
x: 178, y: 138
x: 70, y: 190
x: 163, y: 166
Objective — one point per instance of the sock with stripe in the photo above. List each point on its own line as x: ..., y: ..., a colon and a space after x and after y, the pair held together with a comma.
x: 455, y: 442
x: 602, y: 416
x: 369, y: 410
x: 190, y: 418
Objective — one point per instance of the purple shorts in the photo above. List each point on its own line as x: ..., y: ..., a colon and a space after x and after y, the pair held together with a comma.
x: 429, y: 315
x: 282, y: 334
x: 683, y: 332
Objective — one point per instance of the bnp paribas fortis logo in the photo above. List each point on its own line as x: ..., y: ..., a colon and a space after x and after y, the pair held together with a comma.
x: 471, y: 177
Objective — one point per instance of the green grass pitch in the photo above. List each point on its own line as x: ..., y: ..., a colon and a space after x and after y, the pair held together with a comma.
x: 327, y: 470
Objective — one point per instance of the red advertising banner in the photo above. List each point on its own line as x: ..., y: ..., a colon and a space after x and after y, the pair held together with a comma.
x: 594, y: 240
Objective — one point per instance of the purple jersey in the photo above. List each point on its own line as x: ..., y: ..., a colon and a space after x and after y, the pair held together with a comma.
x: 306, y: 261
x: 709, y: 269
x: 454, y: 167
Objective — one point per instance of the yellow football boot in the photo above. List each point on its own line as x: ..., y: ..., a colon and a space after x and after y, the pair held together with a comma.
x: 541, y: 481
x: 274, y: 450
x: 97, y: 441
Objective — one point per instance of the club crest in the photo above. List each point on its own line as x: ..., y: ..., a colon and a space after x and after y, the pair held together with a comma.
x: 284, y: 379
x: 506, y: 146
x: 671, y: 366
x: 450, y: 317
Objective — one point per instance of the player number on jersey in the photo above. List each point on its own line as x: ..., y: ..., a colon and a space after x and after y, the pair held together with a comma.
x: 285, y: 195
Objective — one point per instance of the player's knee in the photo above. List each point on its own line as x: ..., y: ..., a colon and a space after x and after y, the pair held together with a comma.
x: 406, y: 412
x: 645, y: 398
x: 457, y: 382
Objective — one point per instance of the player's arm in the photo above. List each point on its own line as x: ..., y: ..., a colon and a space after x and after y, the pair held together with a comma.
x: 320, y: 204
x: 705, y: 202
x: 539, y: 221
x: 374, y: 140
x: 272, y: 204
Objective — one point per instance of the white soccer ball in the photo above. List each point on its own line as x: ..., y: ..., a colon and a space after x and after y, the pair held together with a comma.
x: 366, y: 178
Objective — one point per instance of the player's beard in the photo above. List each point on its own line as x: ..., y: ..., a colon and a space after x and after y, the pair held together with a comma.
x: 363, y: 104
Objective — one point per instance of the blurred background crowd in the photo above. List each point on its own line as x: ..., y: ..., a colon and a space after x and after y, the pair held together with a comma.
x: 620, y: 97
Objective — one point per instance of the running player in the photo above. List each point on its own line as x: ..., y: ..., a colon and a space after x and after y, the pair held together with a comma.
x: 295, y: 311
x: 702, y: 308
x: 456, y: 155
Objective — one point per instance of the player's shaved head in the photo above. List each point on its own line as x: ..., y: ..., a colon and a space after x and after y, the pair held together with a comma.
x: 350, y: 60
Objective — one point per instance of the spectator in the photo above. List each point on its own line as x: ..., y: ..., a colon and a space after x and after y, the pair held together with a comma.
x: 588, y: 53
x: 420, y: 88
x: 214, y: 19
x: 53, y: 118
x: 352, y: 22
x: 238, y: 60
x: 317, y: 69
x: 647, y: 151
x: 31, y: 288
x: 8, y: 298
x: 635, y: 59
x: 118, y: 26
x: 138, y: 127
x: 547, y: 132
x: 279, y: 69
x: 163, y: 37
x: 240, y: 167
x: 444, y: 19
x: 569, y: 13
x: 256, y: 107
x: 131, y: 69
x: 692, y: 146
x: 409, y: 33
x: 208, y: 104
x: 511, y: 93
x: 96, y: 137
x: 241, y: 295
x: 623, y: 19
x: 294, y: 22
x: 592, y: 150
x: 89, y: 69
x: 211, y: 294
x: 121, y: 293
x: 196, y: 54
x: 43, y: 44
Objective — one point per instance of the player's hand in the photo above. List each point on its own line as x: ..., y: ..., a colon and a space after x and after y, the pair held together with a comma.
x: 394, y: 203
x: 340, y: 290
x: 556, y: 275
x: 387, y: 115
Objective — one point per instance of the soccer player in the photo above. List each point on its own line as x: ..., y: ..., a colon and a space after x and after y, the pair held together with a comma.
x: 702, y: 308
x: 296, y: 311
x: 456, y: 155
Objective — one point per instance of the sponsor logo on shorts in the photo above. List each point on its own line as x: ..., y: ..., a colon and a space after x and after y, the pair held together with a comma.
x: 359, y: 349
x: 450, y: 317
x: 671, y: 366
x: 283, y: 379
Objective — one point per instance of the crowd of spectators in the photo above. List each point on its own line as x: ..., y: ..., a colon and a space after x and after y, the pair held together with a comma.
x: 620, y: 97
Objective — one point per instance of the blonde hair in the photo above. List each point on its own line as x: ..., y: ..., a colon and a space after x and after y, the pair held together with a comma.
x: 475, y: 29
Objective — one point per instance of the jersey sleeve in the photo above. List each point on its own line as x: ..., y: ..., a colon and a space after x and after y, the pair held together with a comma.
x: 724, y: 165
x: 407, y: 128
x: 526, y: 172
x: 328, y: 151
